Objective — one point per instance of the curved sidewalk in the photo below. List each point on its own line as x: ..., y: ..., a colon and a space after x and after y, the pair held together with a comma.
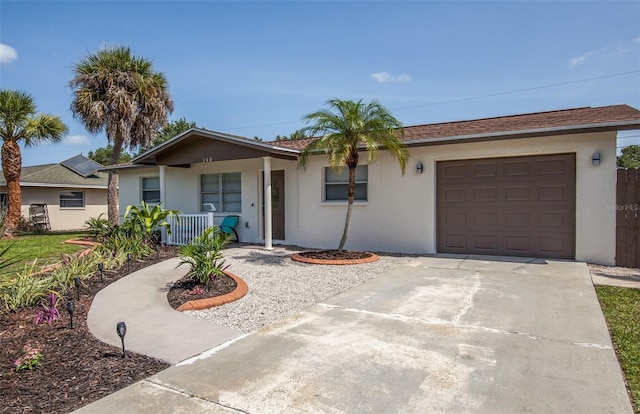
x: 154, y: 328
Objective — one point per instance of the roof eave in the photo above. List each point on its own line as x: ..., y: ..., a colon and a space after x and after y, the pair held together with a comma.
x: 149, y: 156
x: 605, y: 126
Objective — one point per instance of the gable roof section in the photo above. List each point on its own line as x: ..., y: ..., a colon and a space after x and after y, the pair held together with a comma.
x: 200, y: 144
x: 566, y: 121
x: 57, y: 175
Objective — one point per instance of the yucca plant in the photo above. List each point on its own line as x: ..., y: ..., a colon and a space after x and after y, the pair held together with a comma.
x: 204, y: 255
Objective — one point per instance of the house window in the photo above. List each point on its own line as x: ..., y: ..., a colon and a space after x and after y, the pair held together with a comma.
x: 151, y: 190
x: 224, y: 191
x: 4, y: 200
x: 72, y: 199
x: 336, y: 184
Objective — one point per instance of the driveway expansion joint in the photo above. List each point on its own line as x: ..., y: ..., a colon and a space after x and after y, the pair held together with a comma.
x: 396, y: 316
x: 165, y: 387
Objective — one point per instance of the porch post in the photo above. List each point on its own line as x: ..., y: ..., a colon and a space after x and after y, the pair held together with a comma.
x: 268, y: 242
x: 163, y: 169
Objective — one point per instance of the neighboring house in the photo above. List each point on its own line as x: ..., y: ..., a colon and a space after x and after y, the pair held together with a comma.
x: 540, y: 184
x: 73, y: 191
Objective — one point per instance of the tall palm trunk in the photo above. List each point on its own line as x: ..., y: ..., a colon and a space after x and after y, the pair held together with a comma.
x: 112, y: 185
x: 12, y: 167
x: 351, y: 195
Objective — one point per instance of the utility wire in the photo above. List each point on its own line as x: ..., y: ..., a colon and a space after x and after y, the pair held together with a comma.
x: 464, y: 99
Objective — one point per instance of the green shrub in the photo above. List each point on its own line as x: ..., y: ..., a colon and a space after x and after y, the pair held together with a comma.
x: 99, y: 227
x: 204, y: 255
x: 145, y: 221
x: 25, y: 289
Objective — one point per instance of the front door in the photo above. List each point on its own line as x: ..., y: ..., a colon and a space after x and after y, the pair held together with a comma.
x: 277, y: 204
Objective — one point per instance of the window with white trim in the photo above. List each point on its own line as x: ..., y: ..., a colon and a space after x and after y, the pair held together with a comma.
x: 151, y: 190
x: 336, y: 184
x: 4, y: 200
x: 223, y: 190
x: 72, y: 199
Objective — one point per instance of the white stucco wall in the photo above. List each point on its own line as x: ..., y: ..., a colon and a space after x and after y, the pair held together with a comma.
x: 400, y: 214
x: 95, y: 201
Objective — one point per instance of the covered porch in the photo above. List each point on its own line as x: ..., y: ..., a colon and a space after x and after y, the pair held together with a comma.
x: 208, y: 175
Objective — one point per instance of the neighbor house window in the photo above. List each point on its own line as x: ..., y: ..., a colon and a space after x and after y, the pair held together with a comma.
x: 223, y: 190
x: 336, y: 184
x: 4, y: 200
x: 151, y: 190
x: 72, y: 199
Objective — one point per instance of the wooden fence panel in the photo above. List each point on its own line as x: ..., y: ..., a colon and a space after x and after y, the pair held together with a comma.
x: 628, y: 217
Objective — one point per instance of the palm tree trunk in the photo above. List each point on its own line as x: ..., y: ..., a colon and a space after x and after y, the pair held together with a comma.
x: 112, y: 186
x: 350, y: 198
x: 12, y: 167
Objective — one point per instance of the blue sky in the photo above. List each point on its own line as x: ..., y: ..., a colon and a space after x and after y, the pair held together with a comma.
x: 255, y: 68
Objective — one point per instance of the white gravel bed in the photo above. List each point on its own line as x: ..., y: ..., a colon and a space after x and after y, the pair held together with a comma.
x: 279, y: 286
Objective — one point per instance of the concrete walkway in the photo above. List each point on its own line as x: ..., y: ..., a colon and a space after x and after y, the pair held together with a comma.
x: 446, y: 334
x: 154, y: 328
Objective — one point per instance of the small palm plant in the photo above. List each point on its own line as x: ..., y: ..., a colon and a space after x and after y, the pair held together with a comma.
x: 204, y: 255
x: 146, y: 220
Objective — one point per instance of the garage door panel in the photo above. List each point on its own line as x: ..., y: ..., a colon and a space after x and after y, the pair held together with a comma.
x: 455, y: 195
x: 517, y: 193
x: 486, y: 170
x: 517, y: 244
x: 522, y: 206
x: 487, y: 242
x: 485, y: 194
x: 556, y: 192
x: 517, y: 168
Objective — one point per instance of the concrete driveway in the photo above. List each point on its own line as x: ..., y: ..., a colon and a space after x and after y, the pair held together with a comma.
x: 446, y: 334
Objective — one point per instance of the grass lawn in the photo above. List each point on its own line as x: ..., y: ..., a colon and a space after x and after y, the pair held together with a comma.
x: 621, y: 308
x: 46, y: 247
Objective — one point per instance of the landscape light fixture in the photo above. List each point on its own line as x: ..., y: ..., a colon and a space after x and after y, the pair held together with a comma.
x: 76, y: 281
x: 101, y: 269
x: 419, y: 167
x: 121, y: 329
x: 128, y: 261
x: 71, y: 306
x: 595, y: 159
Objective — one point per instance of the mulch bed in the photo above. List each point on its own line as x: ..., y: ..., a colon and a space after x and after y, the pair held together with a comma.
x: 77, y: 369
x: 335, y: 255
x: 182, y: 290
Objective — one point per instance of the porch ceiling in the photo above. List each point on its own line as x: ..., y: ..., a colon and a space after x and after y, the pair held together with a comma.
x: 198, y: 145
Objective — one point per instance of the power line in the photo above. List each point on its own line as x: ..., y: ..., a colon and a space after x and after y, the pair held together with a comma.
x: 518, y: 90
x: 464, y: 99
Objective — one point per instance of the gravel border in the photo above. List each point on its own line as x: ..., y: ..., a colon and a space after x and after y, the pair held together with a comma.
x: 279, y: 286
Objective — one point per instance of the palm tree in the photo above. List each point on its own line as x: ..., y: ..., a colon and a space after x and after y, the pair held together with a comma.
x: 116, y: 92
x: 347, y: 127
x: 19, y: 123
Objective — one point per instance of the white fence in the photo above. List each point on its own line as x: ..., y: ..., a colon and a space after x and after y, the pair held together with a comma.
x: 184, y: 227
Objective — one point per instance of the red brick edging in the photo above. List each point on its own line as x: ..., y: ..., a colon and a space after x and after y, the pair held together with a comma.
x: 199, y: 304
x: 50, y: 268
x: 299, y: 258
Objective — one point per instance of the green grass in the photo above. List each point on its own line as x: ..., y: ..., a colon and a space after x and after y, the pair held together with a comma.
x: 621, y: 308
x: 46, y: 247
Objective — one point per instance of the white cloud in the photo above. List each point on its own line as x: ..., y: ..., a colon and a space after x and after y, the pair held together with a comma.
x: 7, y: 53
x: 77, y: 140
x: 383, y: 77
x: 602, y: 53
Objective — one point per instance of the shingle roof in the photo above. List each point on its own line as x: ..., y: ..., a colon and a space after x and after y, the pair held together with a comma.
x: 57, y: 175
x: 575, y: 118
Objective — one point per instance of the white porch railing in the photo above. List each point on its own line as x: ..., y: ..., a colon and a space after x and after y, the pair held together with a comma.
x: 184, y: 227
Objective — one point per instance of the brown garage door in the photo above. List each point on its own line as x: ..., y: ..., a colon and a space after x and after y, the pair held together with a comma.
x: 521, y: 206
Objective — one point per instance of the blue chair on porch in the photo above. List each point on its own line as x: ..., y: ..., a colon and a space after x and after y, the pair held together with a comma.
x: 228, y: 226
